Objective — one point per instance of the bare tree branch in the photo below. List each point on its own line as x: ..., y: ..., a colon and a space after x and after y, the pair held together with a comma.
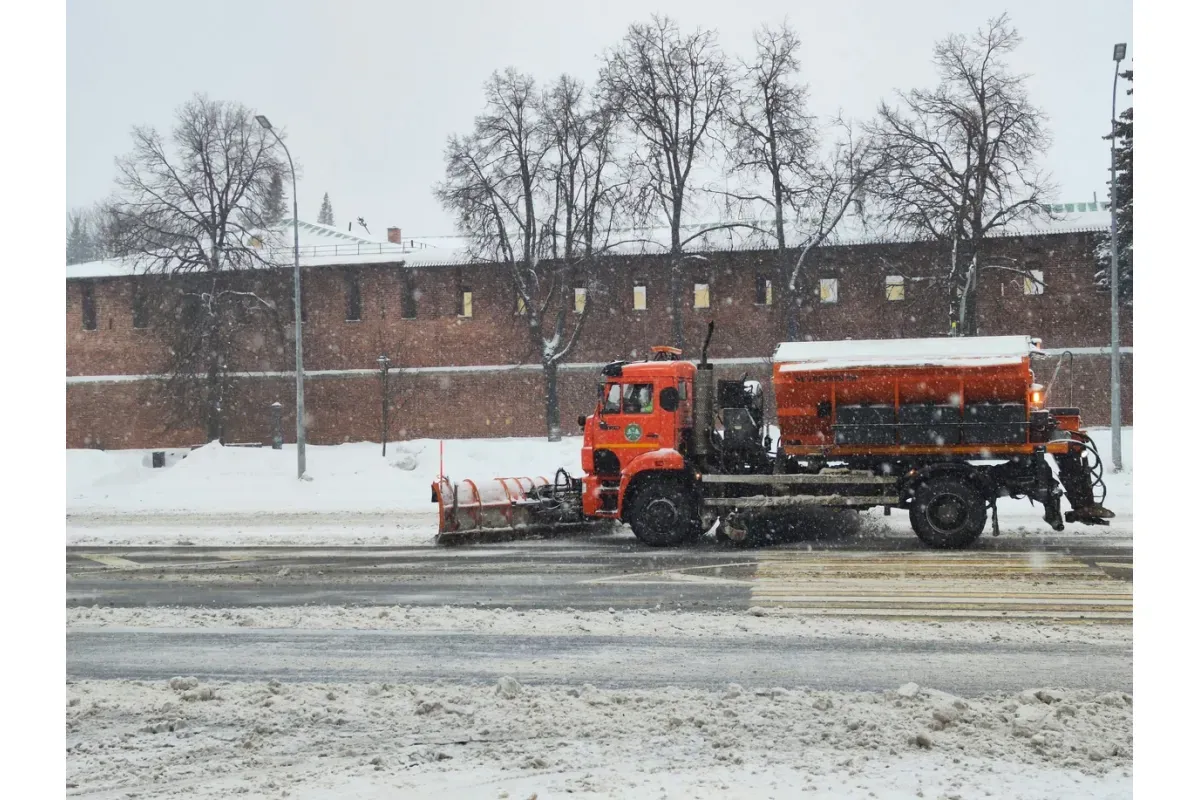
x: 671, y: 88
x: 961, y: 157
x: 534, y: 188
x: 193, y: 209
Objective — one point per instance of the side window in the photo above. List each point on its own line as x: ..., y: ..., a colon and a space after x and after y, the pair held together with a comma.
x: 639, y: 295
x: 88, y: 293
x: 1035, y: 282
x: 829, y: 290
x: 637, y: 398
x: 612, y: 399
x: 353, y: 298
x: 141, y: 309
x: 408, y: 297
x: 762, y: 291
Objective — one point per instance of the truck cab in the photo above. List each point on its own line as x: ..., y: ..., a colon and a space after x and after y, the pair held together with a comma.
x: 642, y: 421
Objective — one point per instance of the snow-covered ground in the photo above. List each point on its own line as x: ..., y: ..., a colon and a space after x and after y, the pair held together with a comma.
x: 756, y: 622
x: 184, y: 738
x: 235, y: 495
x: 348, y: 478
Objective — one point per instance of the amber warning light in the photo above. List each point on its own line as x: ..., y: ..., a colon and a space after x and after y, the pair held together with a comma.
x: 1037, y: 395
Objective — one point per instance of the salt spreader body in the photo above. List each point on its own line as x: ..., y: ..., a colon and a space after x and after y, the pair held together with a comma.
x: 939, y: 428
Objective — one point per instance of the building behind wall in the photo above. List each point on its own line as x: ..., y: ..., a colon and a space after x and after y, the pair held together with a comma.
x: 462, y: 363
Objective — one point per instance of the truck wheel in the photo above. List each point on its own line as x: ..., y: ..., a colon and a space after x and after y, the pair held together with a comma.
x: 948, y: 513
x: 663, y: 513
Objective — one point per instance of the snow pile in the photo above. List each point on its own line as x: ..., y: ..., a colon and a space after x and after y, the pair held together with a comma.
x: 755, y: 623
x: 357, y: 496
x: 310, y: 740
x: 975, y: 351
x: 344, y: 478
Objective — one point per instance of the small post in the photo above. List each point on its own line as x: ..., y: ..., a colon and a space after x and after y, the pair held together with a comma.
x: 385, y: 364
x: 276, y: 425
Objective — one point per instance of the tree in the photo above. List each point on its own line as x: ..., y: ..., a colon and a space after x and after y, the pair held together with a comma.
x: 672, y: 89
x: 530, y: 189
x: 191, y: 209
x: 774, y: 140
x: 275, y: 204
x: 961, y: 158
x: 325, y: 217
x: 81, y: 239
x: 1124, y: 202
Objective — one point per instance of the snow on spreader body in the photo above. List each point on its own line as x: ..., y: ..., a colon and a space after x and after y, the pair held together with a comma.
x: 938, y: 427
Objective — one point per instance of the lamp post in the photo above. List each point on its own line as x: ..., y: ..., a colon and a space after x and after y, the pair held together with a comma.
x: 384, y: 364
x: 266, y: 124
x: 1113, y: 275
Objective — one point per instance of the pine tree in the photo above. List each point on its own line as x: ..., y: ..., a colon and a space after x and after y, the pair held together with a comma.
x: 273, y: 206
x: 326, y: 215
x: 81, y: 246
x: 1124, y: 200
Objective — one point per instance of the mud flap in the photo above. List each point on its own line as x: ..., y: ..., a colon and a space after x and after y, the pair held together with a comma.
x: 1049, y: 493
x: 1076, y: 475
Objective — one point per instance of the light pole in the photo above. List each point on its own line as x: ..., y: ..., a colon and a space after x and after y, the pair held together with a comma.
x: 1113, y: 275
x: 384, y: 363
x: 266, y: 124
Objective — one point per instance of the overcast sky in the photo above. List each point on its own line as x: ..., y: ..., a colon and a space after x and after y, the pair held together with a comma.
x: 368, y: 90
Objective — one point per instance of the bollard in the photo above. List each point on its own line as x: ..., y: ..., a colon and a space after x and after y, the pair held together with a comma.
x: 276, y: 425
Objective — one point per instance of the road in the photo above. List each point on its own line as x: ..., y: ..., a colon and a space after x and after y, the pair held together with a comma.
x: 1053, y: 579
x: 842, y: 664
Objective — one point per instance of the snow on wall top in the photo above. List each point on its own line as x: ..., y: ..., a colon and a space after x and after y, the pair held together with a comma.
x: 967, y: 351
x: 320, y: 246
x: 326, y: 246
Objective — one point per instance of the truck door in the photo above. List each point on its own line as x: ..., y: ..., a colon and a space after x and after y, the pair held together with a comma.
x: 631, y: 420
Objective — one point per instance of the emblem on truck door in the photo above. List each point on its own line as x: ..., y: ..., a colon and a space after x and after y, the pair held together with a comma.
x: 633, y: 432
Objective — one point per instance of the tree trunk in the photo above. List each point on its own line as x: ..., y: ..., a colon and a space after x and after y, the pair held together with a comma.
x: 965, y: 304
x: 676, y: 289
x: 799, y: 298
x: 553, y: 418
x: 213, y: 428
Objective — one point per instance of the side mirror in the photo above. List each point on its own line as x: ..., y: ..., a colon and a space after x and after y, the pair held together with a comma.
x: 582, y: 420
x: 668, y: 399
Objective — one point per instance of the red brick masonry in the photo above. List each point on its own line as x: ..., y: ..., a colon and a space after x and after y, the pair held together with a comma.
x: 109, y: 406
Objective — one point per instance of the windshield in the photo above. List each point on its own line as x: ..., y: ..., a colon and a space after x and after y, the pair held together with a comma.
x: 628, y: 398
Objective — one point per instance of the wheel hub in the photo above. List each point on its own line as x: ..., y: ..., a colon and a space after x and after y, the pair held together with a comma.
x: 947, y: 512
x: 661, y: 514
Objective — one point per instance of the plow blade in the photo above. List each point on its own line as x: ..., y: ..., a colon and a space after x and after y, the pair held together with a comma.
x: 507, y: 508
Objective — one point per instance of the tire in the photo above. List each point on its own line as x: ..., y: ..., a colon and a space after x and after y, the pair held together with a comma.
x: 948, y: 513
x: 664, y: 513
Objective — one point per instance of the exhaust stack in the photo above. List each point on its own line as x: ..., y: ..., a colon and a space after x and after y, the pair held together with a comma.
x: 704, y: 389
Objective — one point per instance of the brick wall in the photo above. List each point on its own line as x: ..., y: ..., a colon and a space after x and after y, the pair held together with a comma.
x: 1071, y: 313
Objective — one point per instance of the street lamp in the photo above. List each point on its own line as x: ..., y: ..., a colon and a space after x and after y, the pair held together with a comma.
x: 1113, y: 275
x: 384, y: 364
x: 266, y: 124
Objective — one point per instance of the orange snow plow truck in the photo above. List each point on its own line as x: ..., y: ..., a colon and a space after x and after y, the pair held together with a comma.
x: 940, y: 428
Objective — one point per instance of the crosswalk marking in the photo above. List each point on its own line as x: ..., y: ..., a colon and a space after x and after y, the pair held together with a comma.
x: 942, y: 585
x: 112, y: 561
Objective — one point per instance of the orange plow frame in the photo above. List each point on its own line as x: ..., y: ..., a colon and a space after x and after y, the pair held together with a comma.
x: 503, y: 506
